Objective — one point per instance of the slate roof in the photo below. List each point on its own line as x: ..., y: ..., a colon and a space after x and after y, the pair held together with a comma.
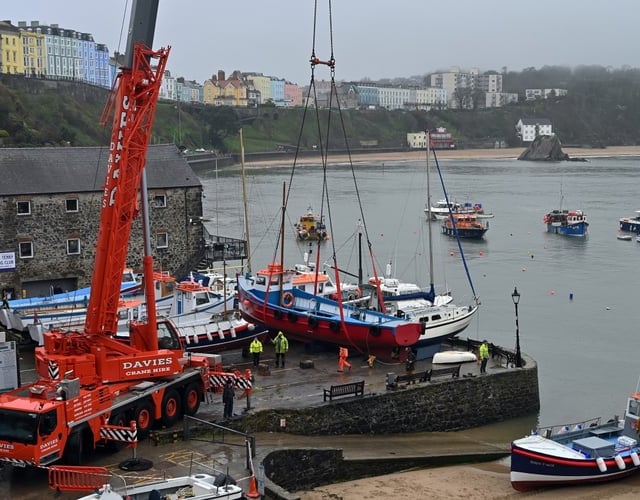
x: 535, y: 121
x: 25, y: 171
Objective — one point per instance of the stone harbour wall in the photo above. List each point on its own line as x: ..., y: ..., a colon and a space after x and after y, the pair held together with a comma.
x: 441, y: 405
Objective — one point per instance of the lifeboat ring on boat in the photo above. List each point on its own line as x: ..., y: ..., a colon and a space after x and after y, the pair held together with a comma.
x: 287, y: 299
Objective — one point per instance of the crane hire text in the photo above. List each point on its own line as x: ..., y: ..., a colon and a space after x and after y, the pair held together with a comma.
x: 147, y: 366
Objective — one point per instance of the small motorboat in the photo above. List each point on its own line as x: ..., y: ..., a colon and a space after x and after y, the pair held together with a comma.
x: 624, y: 237
x: 196, y: 487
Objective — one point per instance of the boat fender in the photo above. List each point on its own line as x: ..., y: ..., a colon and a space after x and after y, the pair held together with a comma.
x: 334, y: 326
x: 232, y: 331
x: 374, y: 330
x: 620, y: 462
x: 293, y: 317
x: 312, y: 321
x: 277, y: 313
x: 634, y: 458
x: 209, y: 336
x: 601, y: 465
x: 287, y: 299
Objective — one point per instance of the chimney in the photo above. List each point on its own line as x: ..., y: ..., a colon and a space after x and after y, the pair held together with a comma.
x: 221, y: 75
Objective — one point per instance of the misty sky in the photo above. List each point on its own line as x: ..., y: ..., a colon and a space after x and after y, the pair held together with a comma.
x: 372, y: 39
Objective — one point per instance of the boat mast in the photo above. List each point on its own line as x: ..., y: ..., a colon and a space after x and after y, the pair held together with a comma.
x: 429, y: 215
x: 244, y: 200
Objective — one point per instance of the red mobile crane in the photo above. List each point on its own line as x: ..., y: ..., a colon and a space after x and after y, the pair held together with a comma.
x: 88, y: 381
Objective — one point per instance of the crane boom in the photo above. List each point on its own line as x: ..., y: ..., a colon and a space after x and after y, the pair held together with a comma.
x: 136, y: 95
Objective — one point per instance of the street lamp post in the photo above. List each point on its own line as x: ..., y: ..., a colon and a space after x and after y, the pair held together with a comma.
x: 515, y: 296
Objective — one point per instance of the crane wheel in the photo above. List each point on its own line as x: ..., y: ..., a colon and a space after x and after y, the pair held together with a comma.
x: 74, y: 449
x: 143, y: 415
x: 171, y: 407
x: 191, y: 402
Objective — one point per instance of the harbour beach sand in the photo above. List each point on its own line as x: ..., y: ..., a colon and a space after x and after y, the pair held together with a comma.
x: 458, y: 154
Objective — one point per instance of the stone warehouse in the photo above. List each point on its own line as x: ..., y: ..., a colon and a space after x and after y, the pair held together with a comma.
x: 50, y: 201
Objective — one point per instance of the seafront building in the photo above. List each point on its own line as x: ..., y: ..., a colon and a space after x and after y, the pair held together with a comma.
x: 51, y: 215
x: 38, y: 50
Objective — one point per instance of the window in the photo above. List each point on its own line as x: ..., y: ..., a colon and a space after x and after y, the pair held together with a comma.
x: 72, y: 205
x: 26, y: 250
x: 162, y: 240
x: 160, y: 201
x: 24, y: 207
x: 73, y: 246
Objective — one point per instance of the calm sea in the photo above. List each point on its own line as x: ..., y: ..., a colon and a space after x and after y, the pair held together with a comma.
x: 579, y: 297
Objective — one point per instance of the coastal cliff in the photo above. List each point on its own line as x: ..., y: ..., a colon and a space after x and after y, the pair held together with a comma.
x: 544, y: 148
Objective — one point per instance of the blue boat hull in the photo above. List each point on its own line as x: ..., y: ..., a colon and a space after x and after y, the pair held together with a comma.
x: 579, y: 230
x: 630, y: 225
x: 530, y: 470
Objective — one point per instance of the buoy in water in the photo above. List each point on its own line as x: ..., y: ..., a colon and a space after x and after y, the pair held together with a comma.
x: 571, y: 296
x: 552, y: 292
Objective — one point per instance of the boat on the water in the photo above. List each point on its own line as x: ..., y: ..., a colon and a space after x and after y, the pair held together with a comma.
x: 195, y: 487
x: 567, y: 222
x: 442, y: 209
x: 630, y: 224
x: 466, y: 226
x: 311, y: 227
x: 624, y: 237
x: 578, y: 453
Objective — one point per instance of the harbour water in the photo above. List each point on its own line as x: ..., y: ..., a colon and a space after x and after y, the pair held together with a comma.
x: 576, y: 314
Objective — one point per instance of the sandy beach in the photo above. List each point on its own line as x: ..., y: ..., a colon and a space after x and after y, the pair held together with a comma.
x: 486, y: 154
x: 469, y: 482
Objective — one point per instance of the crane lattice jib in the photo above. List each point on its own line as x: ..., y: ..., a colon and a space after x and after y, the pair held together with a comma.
x: 136, y: 97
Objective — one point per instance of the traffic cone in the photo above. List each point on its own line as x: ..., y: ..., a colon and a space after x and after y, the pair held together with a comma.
x: 253, y: 488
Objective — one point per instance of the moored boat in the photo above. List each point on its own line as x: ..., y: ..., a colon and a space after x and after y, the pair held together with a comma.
x: 578, y: 453
x: 311, y: 227
x: 465, y: 226
x: 443, y: 209
x: 567, y: 222
x: 630, y: 224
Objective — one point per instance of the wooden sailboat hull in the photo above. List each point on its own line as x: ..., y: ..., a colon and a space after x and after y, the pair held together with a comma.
x: 311, y: 318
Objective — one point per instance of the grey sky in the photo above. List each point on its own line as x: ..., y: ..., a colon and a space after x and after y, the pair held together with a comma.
x: 372, y: 38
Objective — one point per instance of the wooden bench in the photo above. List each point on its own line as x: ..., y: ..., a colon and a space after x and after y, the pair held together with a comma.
x: 454, y: 371
x: 396, y: 380
x: 355, y: 388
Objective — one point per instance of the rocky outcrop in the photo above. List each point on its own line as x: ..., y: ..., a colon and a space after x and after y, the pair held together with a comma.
x: 544, y: 148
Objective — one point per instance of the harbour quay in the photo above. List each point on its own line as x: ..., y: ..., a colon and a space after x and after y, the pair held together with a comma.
x: 299, y: 441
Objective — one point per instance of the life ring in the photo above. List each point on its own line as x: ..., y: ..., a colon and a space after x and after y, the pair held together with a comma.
x: 287, y: 299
